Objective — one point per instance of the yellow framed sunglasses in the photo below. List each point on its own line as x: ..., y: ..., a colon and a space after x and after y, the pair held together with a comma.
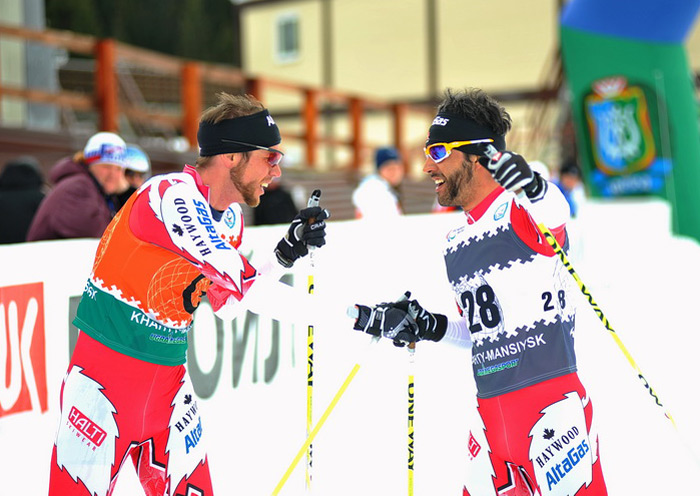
x: 438, y: 152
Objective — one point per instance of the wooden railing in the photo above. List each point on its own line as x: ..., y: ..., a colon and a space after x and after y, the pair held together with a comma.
x: 106, y: 102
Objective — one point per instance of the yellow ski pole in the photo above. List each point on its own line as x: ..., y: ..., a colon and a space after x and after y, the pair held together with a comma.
x: 411, y: 412
x: 314, y: 201
x: 316, y: 428
x: 589, y: 297
x: 352, y: 312
x: 552, y: 241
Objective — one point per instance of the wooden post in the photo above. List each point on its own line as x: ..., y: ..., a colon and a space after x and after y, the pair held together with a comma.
x: 107, y: 91
x: 399, y: 112
x: 254, y: 88
x: 311, y: 126
x: 357, y: 140
x: 1, y: 116
x: 191, y: 101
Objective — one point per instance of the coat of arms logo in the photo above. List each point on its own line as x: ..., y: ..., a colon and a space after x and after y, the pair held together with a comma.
x: 618, y: 119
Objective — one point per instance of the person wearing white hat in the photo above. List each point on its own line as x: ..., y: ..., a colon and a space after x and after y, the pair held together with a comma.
x: 136, y: 171
x: 80, y: 205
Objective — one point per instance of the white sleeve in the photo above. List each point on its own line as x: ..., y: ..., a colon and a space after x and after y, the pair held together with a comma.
x: 552, y: 210
x: 267, y: 281
x: 457, y: 334
x: 374, y: 200
x: 275, y: 299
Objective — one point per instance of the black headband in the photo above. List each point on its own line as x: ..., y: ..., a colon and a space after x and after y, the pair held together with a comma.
x: 257, y: 129
x: 447, y: 128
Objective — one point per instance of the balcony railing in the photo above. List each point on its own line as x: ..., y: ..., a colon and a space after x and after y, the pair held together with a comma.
x: 107, y: 99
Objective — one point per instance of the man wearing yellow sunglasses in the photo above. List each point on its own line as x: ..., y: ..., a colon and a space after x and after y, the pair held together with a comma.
x: 533, y: 433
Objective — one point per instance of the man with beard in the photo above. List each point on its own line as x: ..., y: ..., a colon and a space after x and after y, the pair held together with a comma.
x: 126, y: 393
x: 533, y: 431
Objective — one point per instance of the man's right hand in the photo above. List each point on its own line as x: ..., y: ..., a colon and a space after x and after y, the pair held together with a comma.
x: 431, y: 326
x: 387, y: 320
x: 402, y: 321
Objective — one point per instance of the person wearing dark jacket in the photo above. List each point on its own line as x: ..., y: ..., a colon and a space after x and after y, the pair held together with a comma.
x: 21, y: 192
x: 81, y: 204
x: 276, y: 206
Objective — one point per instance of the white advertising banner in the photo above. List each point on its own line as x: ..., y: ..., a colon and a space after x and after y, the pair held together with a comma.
x: 250, y: 373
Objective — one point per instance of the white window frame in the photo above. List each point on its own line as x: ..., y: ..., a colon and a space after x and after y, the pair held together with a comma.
x: 286, y: 55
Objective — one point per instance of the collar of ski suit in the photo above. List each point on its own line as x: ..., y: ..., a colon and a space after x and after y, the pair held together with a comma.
x: 475, y: 213
x: 203, y: 188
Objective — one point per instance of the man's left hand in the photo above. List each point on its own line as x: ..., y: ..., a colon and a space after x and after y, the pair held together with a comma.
x: 512, y: 172
x: 307, y: 229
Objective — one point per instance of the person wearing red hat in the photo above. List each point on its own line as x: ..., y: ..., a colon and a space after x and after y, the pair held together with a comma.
x: 80, y: 204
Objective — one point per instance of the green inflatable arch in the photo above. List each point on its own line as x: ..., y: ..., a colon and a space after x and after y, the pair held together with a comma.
x: 634, y: 104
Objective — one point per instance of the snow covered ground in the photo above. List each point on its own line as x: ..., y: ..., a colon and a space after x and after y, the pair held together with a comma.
x: 645, y: 281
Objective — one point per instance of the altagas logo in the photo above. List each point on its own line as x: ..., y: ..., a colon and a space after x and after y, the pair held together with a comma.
x: 22, y: 349
x: 560, y: 449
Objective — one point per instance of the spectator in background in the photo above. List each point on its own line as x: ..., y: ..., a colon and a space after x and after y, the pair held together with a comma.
x: 376, y: 197
x: 276, y: 206
x: 571, y: 186
x: 21, y: 192
x: 136, y: 171
x: 81, y: 204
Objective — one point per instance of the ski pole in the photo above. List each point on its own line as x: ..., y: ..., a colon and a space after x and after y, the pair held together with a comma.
x: 314, y: 201
x: 353, y: 312
x: 316, y: 428
x: 411, y: 412
x: 491, y: 152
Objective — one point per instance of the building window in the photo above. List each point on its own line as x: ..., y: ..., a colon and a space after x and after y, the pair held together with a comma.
x: 287, y: 46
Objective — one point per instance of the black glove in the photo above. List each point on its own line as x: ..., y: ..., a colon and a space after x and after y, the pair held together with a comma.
x: 431, y: 326
x: 512, y: 172
x: 307, y: 229
x: 388, y: 320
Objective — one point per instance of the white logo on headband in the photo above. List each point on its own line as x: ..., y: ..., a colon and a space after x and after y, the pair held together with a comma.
x: 270, y: 122
x: 440, y: 121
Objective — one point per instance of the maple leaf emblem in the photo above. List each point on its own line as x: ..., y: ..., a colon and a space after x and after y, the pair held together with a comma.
x: 177, y: 230
x: 548, y: 433
x: 188, y: 399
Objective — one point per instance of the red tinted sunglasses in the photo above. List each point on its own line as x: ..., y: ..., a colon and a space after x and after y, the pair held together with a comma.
x: 274, y: 158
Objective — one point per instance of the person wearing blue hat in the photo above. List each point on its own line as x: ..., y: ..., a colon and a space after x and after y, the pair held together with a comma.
x: 376, y: 197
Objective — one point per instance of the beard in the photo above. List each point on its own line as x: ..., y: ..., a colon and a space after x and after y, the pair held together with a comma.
x: 249, y: 190
x: 454, y: 191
